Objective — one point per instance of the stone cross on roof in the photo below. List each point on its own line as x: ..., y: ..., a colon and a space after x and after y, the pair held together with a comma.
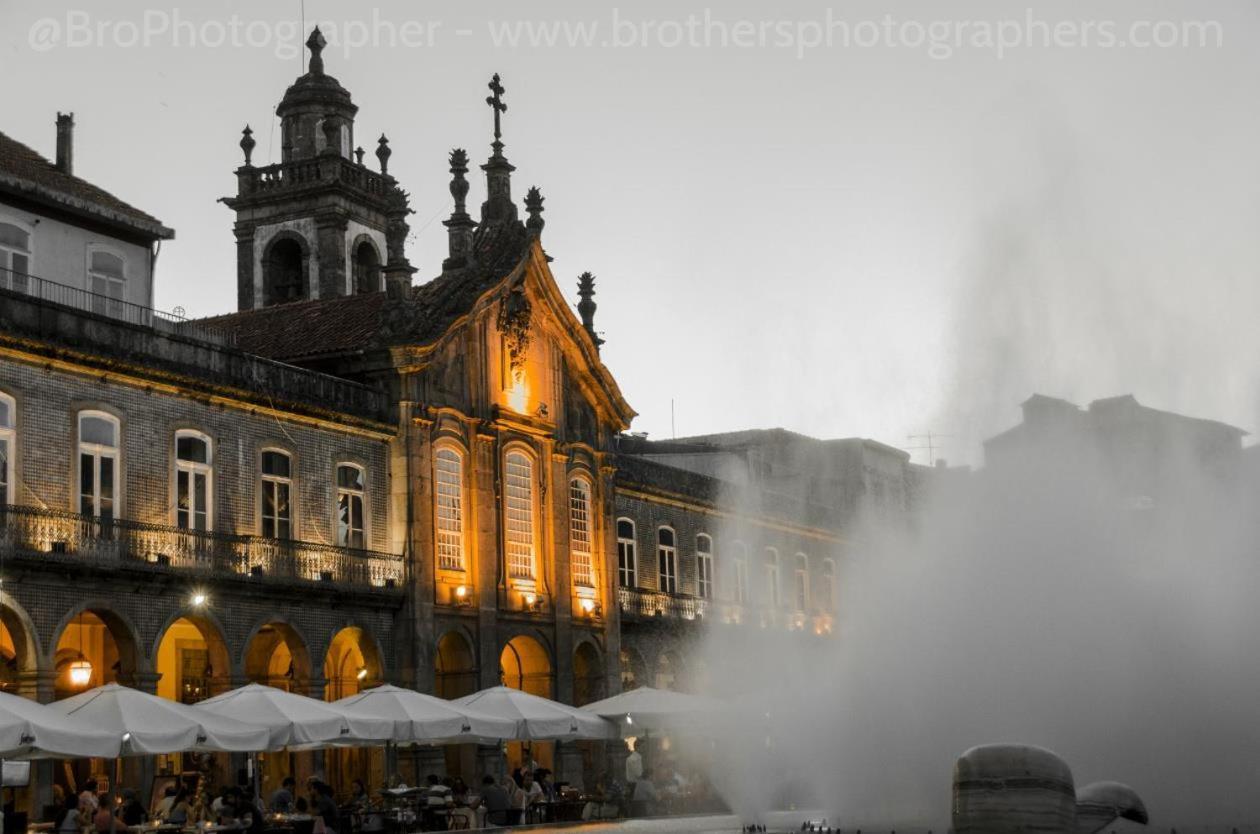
x: 498, y: 105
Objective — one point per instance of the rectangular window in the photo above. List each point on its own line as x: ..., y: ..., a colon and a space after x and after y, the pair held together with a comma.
x: 704, y: 566
x: 518, y: 500
x: 449, y: 498
x: 772, y: 577
x: 7, y: 443
x: 350, y: 528
x: 580, y: 532
x: 802, y: 582
x: 741, y: 573
x: 15, y: 258
x: 627, y: 554
x: 98, y: 465
x: 277, y: 483
x: 192, y: 482
x: 107, y: 281
x: 666, y: 561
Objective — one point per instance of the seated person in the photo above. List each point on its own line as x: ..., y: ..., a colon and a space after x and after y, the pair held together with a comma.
x: 282, y: 800
x: 132, y: 812
x: 645, y: 794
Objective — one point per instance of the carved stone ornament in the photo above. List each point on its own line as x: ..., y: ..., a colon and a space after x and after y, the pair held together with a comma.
x: 514, y: 318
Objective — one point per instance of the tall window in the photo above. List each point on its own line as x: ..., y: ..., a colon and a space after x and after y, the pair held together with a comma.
x: 827, y: 592
x: 8, y: 442
x: 107, y: 281
x: 801, y: 588
x: 277, y: 486
x: 448, y: 496
x: 367, y: 268
x: 518, y: 500
x: 666, y: 561
x: 98, y: 464
x: 193, y: 481
x: 15, y: 257
x: 772, y: 577
x: 627, y: 554
x: 740, y: 560
x: 704, y: 566
x: 350, y: 489
x: 580, y: 532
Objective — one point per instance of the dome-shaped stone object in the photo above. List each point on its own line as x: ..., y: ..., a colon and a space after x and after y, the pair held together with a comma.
x: 1099, y: 804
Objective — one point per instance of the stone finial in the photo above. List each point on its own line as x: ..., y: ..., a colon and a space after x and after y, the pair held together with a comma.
x: 316, y: 43
x: 247, y: 144
x: 459, y: 185
x: 586, y: 307
x: 358, y: 155
x: 383, y: 152
x: 534, y: 208
x: 460, y: 226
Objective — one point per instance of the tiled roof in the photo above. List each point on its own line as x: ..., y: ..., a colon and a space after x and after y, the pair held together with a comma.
x: 25, y: 172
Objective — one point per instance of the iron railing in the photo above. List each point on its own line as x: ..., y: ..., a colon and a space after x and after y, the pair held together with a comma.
x: 118, y: 542
x: 644, y: 603
x: 113, y: 308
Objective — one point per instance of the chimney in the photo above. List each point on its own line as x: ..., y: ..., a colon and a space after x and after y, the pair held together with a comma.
x: 65, y: 143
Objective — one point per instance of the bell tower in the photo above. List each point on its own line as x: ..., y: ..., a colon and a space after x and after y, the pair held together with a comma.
x: 318, y: 223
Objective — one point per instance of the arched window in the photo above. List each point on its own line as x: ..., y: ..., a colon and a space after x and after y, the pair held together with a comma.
x: 366, y: 268
x: 350, y: 491
x: 194, y: 481
x: 8, y: 447
x: 107, y: 281
x: 739, y: 553
x: 704, y: 566
x: 15, y: 257
x: 518, y: 500
x: 666, y: 561
x: 448, y: 498
x: 284, y: 273
x: 627, y: 554
x: 580, y: 532
x: 771, y: 565
x: 98, y: 464
x: 801, y: 587
x: 277, y: 487
x: 827, y: 593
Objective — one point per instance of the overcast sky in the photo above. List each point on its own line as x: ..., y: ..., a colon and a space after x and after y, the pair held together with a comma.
x: 843, y: 240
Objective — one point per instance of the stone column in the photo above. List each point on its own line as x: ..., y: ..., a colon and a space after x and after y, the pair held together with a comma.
x: 39, y: 685
x: 247, y: 295
x: 569, y: 764
x: 330, y: 253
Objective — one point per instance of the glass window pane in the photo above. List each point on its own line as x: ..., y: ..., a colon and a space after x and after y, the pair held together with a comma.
x: 6, y: 414
x: 106, y: 263
x: 11, y: 235
x: 666, y: 537
x: 4, y: 470
x: 97, y: 430
x: 350, y: 477
x: 625, y: 529
x: 192, y: 449
x: 275, y: 463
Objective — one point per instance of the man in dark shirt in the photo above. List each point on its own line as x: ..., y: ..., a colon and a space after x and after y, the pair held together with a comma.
x: 282, y: 800
x: 495, y: 800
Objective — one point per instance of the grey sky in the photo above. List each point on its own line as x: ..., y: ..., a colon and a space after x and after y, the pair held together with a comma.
x: 860, y: 241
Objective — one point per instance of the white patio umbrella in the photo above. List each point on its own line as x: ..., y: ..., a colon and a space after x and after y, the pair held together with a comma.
x: 298, y: 721
x: 420, y: 718
x: 149, y: 725
x: 537, y: 718
x: 646, y: 708
x: 30, y: 730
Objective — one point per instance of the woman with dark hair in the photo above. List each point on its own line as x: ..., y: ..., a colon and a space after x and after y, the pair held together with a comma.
x: 325, y: 807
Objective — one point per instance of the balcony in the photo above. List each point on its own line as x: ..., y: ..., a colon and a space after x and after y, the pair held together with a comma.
x: 641, y: 603
x: 76, y: 539
x: 170, y: 324
x: 303, y: 173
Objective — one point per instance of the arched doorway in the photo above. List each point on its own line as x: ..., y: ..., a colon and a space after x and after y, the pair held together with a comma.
x: 366, y: 268
x: 17, y: 646
x: 588, y: 675
x: 352, y: 664
x: 192, y: 663
x: 454, y: 676
x: 277, y: 656
x: 284, y: 272
x: 525, y: 665
x: 633, y: 670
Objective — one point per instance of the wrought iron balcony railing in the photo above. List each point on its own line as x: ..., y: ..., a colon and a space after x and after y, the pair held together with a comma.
x: 118, y: 542
x: 638, y: 602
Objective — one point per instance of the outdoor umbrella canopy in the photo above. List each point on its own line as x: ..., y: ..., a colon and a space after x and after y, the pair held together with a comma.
x: 420, y: 718
x: 298, y: 721
x: 149, y: 725
x: 646, y: 708
x: 538, y: 718
x: 29, y: 730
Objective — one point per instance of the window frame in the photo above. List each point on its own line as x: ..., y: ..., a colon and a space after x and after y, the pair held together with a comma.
x: 112, y: 306
x: 290, y: 481
x: 8, y: 467
x: 193, y: 468
x: 583, y: 573
x: 360, y: 493
x: 829, y: 582
x: 800, y: 587
x: 628, y: 549
x: 705, y: 584
x: 460, y: 564
x: 6, y: 263
x: 770, y: 567
x: 740, y: 563
x: 531, y: 512
x: 98, y: 452
x: 667, y: 557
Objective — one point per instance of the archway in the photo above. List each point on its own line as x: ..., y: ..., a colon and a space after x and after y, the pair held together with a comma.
x: 18, y: 656
x: 352, y: 664
x: 277, y: 656
x: 669, y: 671
x: 588, y: 675
x: 525, y: 665
x: 633, y: 670
x: 454, y: 676
x: 284, y: 272
x: 366, y: 268
x: 192, y: 663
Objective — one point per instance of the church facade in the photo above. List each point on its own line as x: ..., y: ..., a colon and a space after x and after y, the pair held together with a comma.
x: 357, y: 477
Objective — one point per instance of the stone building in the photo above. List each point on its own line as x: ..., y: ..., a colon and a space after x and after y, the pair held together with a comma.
x: 360, y: 477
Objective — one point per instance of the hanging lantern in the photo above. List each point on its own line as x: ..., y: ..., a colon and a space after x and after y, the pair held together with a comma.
x: 81, y: 672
